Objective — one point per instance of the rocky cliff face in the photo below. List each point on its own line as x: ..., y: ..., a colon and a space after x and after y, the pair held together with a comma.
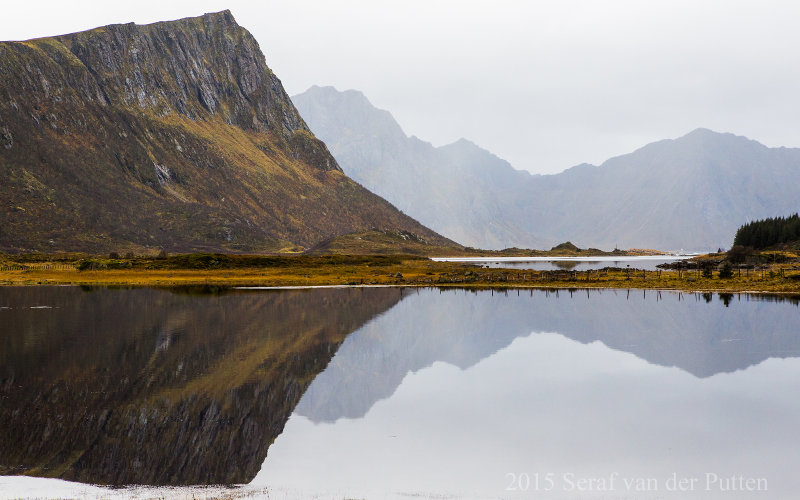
x: 191, y: 66
x: 172, y: 135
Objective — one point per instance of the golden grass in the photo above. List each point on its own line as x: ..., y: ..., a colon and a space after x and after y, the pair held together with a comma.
x: 415, y: 273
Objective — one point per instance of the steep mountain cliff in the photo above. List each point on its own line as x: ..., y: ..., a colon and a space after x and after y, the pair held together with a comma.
x: 692, y: 192
x: 171, y: 135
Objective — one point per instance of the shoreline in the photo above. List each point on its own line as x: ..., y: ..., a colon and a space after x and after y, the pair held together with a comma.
x: 413, y: 273
x: 516, y: 287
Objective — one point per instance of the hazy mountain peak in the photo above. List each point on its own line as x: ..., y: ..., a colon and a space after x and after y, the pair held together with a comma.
x: 331, y: 92
x: 465, y: 142
x: 701, y: 149
x: 708, y: 137
x: 582, y: 167
x: 703, y: 132
x: 689, y: 192
x: 456, y: 188
x: 480, y: 161
x: 354, y: 114
x: 466, y: 145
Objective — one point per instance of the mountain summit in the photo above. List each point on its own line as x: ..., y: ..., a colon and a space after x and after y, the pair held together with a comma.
x: 171, y: 135
x: 459, y: 190
x: 691, y: 192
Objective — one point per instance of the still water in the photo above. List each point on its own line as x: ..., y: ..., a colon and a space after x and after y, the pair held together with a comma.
x: 391, y: 393
x: 645, y: 262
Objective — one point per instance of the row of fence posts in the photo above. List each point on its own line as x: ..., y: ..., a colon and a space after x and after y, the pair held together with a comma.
x: 630, y: 273
x: 38, y: 266
x: 12, y: 267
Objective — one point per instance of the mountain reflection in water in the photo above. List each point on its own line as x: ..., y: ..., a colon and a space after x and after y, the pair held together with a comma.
x: 463, y: 327
x: 151, y: 386
x: 192, y: 386
x: 459, y: 394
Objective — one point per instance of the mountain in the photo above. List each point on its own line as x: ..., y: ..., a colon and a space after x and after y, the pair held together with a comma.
x: 692, y: 192
x: 171, y: 135
x: 460, y: 190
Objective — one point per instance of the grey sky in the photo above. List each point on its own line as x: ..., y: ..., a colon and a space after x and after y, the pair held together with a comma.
x: 543, y: 84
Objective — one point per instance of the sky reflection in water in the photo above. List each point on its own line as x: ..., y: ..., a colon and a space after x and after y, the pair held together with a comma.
x: 469, y: 395
x: 394, y: 392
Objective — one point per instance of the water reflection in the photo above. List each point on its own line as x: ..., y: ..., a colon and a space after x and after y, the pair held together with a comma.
x: 437, y: 393
x: 156, y: 387
x: 461, y: 328
x: 648, y: 263
x: 449, y: 392
x: 569, y: 265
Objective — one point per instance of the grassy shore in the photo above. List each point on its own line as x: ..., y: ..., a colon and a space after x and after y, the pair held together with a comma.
x: 370, y: 270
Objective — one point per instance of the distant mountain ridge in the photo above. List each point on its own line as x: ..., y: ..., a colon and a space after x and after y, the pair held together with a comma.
x: 457, y: 188
x: 172, y: 135
x: 692, y: 192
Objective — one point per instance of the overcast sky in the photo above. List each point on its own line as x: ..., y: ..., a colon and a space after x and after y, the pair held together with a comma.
x: 543, y: 84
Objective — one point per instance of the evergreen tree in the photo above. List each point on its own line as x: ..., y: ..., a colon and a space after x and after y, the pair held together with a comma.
x: 725, y: 271
x: 768, y: 232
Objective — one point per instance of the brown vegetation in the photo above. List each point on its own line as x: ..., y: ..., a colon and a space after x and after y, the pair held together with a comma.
x: 396, y: 270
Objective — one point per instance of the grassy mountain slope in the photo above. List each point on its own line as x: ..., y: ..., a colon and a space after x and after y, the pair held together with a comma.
x: 173, y: 135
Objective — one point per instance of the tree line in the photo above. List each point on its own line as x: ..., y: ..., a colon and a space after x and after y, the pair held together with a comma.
x: 768, y: 232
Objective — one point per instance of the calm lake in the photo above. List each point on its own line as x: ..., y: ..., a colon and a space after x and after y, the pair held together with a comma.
x: 398, y: 393
x: 645, y: 262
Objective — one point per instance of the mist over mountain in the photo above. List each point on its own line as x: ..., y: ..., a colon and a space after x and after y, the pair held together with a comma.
x: 458, y: 189
x: 172, y: 135
x: 692, y: 192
